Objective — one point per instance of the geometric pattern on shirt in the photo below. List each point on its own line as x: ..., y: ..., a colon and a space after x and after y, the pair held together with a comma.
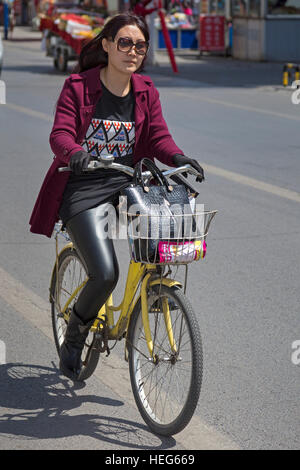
x: 114, y: 137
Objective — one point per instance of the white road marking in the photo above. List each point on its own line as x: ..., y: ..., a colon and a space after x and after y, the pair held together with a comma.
x: 237, y: 106
x: 29, y: 112
x: 252, y: 182
x: 33, y: 308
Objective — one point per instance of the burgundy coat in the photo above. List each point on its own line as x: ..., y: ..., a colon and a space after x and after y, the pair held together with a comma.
x: 75, y: 109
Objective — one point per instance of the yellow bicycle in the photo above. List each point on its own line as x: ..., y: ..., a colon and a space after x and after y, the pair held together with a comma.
x: 156, y: 319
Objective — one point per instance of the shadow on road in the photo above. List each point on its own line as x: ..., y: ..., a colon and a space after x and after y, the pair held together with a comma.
x: 33, y: 39
x: 39, y: 69
x: 44, y: 398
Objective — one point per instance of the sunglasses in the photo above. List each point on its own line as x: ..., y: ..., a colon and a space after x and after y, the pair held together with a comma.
x: 126, y: 45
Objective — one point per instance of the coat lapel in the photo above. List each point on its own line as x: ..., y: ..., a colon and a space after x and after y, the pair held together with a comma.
x: 139, y: 89
x: 139, y: 118
x: 86, y: 114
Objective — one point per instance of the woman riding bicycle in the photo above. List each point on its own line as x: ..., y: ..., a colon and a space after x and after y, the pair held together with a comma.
x: 104, y: 108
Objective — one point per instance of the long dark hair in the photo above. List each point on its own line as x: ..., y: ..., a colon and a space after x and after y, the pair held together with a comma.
x: 93, y: 54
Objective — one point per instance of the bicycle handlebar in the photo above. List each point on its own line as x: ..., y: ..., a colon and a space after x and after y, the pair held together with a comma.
x: 107, y: 162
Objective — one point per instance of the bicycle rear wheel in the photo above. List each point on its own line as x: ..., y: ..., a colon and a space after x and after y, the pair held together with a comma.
x: 167, y: 386
x: 71, y: 275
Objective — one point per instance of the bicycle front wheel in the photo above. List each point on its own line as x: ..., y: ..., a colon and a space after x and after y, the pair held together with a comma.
x: 166, y: 386
x: 71, y: 279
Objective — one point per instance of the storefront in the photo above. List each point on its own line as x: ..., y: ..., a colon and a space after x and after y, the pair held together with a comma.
x: 266, y: 30
x: 182, y: 20
x: 182, y: 23
x: 216, y: 7
x: 261, y: 30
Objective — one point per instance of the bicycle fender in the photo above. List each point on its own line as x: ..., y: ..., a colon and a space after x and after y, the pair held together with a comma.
x: 166, y: 282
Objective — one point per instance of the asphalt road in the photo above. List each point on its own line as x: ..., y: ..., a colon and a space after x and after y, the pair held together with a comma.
x: 245, y: 292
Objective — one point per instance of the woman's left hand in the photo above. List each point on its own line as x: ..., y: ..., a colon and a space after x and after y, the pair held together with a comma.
x: 180, y: 160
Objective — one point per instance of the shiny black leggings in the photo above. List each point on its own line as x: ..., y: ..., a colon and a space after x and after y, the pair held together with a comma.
x: 96, y: 251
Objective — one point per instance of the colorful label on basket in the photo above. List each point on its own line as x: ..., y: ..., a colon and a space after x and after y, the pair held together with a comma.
x: 181, y: 251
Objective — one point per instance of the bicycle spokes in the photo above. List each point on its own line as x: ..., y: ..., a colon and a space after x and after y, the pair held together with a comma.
x: 167, y: 383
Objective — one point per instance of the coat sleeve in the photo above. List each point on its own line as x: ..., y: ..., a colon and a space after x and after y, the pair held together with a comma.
x: 66, y: 124
x: 161, y: 142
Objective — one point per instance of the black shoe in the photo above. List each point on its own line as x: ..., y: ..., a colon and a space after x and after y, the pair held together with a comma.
x: 70, y: 361
x: 70, y: 352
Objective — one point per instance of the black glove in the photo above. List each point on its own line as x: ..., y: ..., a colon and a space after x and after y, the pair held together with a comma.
x: 79, y: 161
x: 180, y: 160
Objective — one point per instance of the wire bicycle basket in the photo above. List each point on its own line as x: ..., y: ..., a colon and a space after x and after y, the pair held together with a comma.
x: 168, y: 238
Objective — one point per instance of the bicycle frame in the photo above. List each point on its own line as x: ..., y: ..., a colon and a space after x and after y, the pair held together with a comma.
x: 137, y: 273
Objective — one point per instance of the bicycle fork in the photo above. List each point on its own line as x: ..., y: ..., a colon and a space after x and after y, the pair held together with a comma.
x: 166, y: 314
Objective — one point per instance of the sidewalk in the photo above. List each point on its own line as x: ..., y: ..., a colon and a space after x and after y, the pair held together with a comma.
x: 212, y: 70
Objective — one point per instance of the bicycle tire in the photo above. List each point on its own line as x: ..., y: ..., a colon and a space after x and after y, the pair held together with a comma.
x: 90, y: 356
x: 139, y: 363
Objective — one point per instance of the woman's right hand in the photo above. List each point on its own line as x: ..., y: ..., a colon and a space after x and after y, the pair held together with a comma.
x: 79, y: 161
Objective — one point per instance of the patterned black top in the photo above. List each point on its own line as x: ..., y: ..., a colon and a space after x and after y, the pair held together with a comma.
x: 111, y: 131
